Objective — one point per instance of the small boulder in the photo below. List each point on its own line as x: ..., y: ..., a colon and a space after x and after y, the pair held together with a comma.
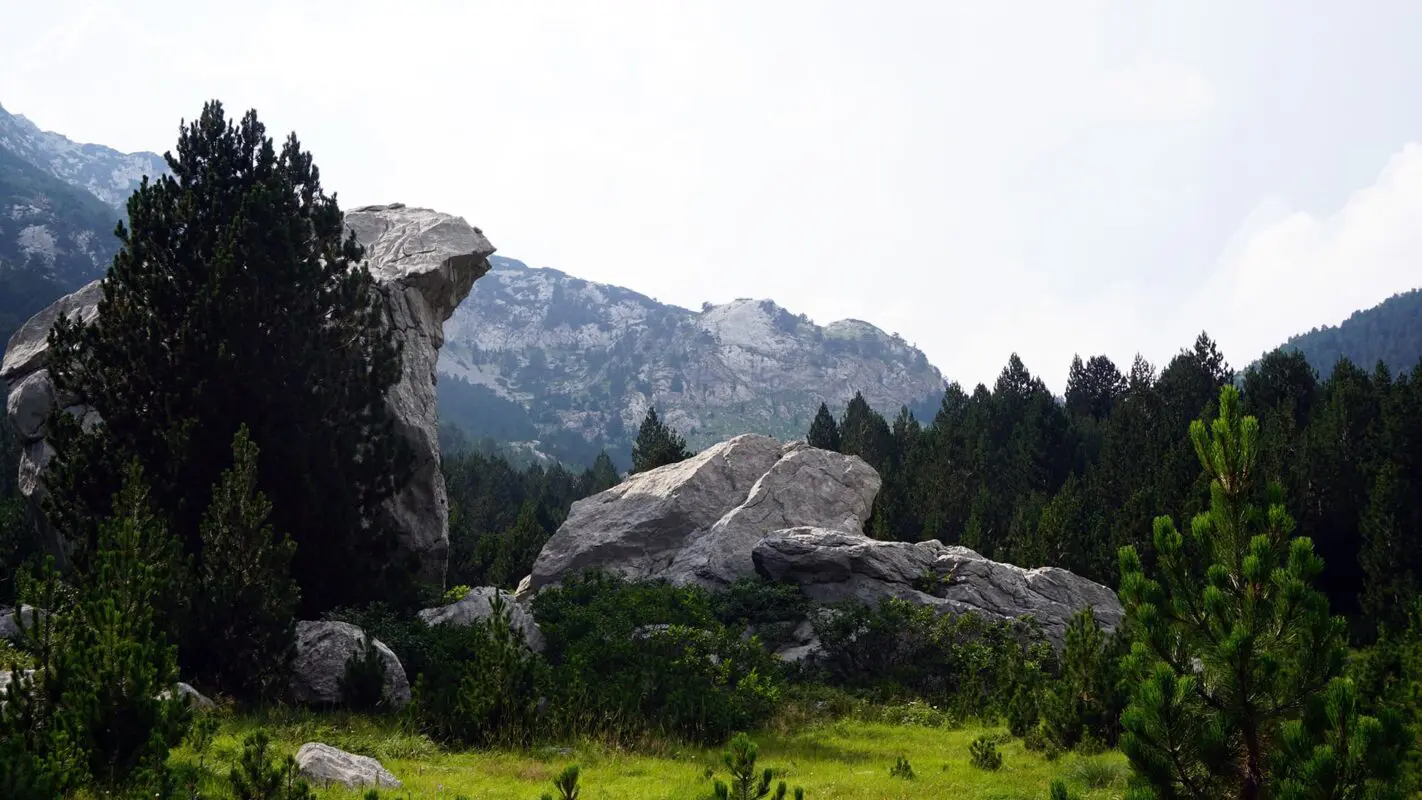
x: 322, y: 649
x: 325, y: 765
x: 197, y: 699
x: 477, y: 606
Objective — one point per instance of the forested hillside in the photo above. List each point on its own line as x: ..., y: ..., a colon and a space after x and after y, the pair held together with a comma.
x: 1018, y: 476
x: 1390, y: 332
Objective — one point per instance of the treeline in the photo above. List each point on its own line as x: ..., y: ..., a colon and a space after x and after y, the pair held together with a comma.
x: 1022, y: 476
x: 1390, y: 332
x: 501, y: 515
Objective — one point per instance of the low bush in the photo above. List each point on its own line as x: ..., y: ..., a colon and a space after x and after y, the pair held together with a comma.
x: 983, y: 754
x: 898, y: 649
x: 628, y: 658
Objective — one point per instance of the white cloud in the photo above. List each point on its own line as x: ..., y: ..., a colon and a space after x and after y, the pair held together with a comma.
x: 1287, y: 271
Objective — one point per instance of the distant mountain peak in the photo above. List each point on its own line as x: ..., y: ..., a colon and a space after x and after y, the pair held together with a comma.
x: 107, y: 174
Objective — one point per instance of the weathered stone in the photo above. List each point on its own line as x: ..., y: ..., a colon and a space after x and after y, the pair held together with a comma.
x: 425, y: 263
x: 325, y: 765
x: 807, y: 487
x: 322, y: 649
x: 697, y: 521
x: 10, y: 625
x: 835, y: 566
x: 639, y: 527
x: 197, y: 699
x: 477, y: 606
x: 29, y: 403
x: 28, y: 346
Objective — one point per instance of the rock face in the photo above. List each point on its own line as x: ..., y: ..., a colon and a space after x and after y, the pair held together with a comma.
x: 568, y: 366
x: 326, y: 765
x: 10, y: 621
x: 697, y: 521
x: 834, y: 566
x: 477, y: 606
x: 424, y: 262
x: 322, y: 649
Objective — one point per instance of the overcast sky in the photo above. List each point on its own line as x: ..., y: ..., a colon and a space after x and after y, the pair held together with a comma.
x: 982, y: 177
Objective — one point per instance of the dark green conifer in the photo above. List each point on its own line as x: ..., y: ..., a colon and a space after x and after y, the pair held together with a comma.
x: 246, y: 602
x: 657, y: 445
x: 1225, y: 660
x: 236, y: 297
x: 824, y: 431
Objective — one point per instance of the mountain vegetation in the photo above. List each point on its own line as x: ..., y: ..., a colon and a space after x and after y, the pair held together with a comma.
x: 1270, y: 650
x: 1390, y: 332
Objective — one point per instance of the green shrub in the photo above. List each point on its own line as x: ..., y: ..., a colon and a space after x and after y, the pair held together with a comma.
x: 454, y: 594
x: 632, y: 657
x: 740, y: 758
x: 259, y: 776
x: 362, y: 684
x: 1085, y: 703
x: 478, y: 684
x: 1098, y: 773
x: 1059, y: 790
x: 898, y: 649
x: 983, y: 754
x: 567, y: 784
x: 902, y: 769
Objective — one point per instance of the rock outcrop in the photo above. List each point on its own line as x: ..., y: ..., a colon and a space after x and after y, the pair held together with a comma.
x: 697, y: 521
x: 835, y: 566
x: 478, y: 606
x: 424, y: 262
x: 322, y: 649
x: 10, y: 620
x: 325, y: 765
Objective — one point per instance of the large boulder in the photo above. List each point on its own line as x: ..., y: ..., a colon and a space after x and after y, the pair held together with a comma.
x: 833, y: 566
x: 697, y: 521
x: 424, y: 263
x: 322, y: 649
x: 325, y: 765
x: 478, y: 606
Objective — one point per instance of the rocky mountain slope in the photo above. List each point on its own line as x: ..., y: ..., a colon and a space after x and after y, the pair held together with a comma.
x: 570, y: 366
x: 59, y: 202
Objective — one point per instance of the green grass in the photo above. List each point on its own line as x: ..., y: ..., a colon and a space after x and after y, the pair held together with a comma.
x: 844, y: 760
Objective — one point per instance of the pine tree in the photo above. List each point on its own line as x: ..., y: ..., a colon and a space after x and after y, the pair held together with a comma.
x: 864, y: 433
x: 247, y: 599
x: 236, y: 297
x: 518, y: 547
x: 824, y: 431
x: 111, y: 681
x: 657, y: 445
x: 1224, y: 660
x: 601, y: 476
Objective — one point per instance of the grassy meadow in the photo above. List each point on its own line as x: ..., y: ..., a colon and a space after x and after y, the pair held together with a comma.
x: 845, y: 759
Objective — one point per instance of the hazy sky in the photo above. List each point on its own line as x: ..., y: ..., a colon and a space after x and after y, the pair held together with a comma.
x: 1041, y: 177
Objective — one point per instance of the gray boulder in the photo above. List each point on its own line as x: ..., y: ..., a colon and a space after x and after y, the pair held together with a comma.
x: 322, y: 649
x: 325, y: 765
x: 424, y: 263
x: 476, y: 606
x: 10, y: 626
x: 836, y: 566
x: 697, y: 521
x: 197, y: 699
x: 806, y: 487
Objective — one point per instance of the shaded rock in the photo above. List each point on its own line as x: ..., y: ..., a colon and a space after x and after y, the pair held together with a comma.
x: 477, y: 606
x: 26, y: 351
x: 425, y: 263
x: 322, y: 649
x: 10, y: 626
x: 835, y: 566
x: 197, y: 699
x: 697, y: 521
x: 325, y: 765
x: 29, y: 403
